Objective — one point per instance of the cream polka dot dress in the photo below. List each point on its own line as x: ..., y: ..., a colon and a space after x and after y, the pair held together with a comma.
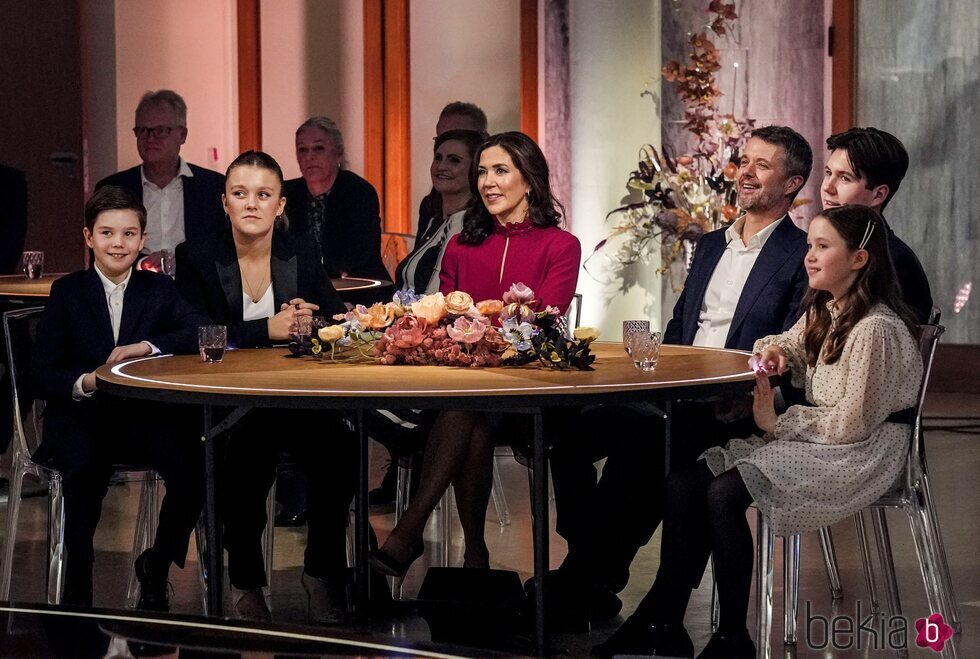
x: 826, y: 462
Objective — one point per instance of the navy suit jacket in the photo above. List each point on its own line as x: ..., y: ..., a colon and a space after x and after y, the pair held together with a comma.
x: 770, y: 301
x: 911, y: 277
x: 75, y: 337
x: 204, y: 215
x: 209, y: 277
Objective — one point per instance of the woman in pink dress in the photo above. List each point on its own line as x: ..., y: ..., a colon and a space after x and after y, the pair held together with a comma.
x: 513, y: 236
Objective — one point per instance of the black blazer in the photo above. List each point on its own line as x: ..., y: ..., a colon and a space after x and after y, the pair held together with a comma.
x: 351, y: 239
x: 209, y: 277
x: 74, y: 336
x: 911, y: 277
x: 204, y: 215
x: 770, y: 301
x: 13, y: 217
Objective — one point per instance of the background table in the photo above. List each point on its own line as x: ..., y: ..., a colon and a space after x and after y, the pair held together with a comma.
x: 271, y: 378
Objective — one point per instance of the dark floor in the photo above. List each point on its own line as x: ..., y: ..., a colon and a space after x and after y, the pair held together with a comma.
x: 954, y: 463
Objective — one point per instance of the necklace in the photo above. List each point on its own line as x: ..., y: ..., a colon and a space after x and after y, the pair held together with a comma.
x: 248, y: 285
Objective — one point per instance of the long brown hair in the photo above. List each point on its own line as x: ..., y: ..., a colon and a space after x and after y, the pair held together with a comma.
x: 876, y: 283
x: 543, y: 209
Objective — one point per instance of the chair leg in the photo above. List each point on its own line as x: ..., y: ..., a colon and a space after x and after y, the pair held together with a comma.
x: 56, y: 540
x: 201, y: 542
x: 791, y: 587
x: 446, y: 515
x: 763, y: 592
x: 861, y: 527
x: 935, y: 537
x: 715, y: 608
x: 830, y: 562
x: 499, y: 498
x: 403, y: 489
x: 13, y: 512
x: 268, y: 540
x: 882, y: 539
x: 147, y: 517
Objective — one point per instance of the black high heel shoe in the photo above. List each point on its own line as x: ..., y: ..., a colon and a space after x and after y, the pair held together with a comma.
x: 385, y: 563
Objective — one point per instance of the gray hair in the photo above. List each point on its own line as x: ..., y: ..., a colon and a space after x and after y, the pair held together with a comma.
x: 328, y: 126
x: 166, y: 97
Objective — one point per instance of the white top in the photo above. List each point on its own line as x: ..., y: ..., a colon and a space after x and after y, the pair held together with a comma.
x: 726, y: 284
x: 826, y: 462
x: 264, y: 308
x: 165, y: 211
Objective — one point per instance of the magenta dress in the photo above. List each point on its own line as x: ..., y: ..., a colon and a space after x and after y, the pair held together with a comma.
x: 545, y: 259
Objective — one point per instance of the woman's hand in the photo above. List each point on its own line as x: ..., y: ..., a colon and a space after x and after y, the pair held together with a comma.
x: 771, y: 360
x: 284, y: 323
x: 764, y: 404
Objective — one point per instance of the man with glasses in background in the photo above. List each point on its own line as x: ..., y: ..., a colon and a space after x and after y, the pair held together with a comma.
x: 183, y: 201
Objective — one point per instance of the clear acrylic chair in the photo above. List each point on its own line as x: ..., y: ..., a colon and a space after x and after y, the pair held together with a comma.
x: 20, y: 327
x: 911, y: 493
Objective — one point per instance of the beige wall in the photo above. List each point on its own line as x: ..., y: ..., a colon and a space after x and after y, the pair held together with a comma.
x: 465, y: 50
x: 188, y: 46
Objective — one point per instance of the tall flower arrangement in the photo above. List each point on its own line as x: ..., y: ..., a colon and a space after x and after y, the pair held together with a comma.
x: 686, y: 195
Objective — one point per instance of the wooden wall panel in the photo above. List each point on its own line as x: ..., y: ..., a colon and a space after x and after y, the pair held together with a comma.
x: 529, y: 68
x: 249, y: 76
x: 397, y: 118
x: 844, y: 82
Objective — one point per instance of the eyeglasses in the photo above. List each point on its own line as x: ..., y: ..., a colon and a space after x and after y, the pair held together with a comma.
x: 159, y: 132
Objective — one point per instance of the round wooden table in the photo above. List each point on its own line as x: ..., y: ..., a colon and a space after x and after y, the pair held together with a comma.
x: 17, y: 288
x: 272, y: 378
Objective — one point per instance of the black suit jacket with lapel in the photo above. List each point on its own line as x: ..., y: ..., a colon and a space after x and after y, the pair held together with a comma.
x: 770, y: 300
x: 204, y: 216
x: 74, y: 336
x: 209, y: 277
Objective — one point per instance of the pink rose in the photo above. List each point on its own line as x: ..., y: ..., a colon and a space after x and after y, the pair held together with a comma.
x: 466, y: 330
x: 407, y: 332
x: 431, y: 308
x: 519, y: 293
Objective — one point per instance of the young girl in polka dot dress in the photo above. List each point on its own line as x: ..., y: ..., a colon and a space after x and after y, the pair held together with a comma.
x: 855, y: 352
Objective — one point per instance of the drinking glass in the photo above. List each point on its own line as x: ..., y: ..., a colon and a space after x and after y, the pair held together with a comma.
x: 646, y: 351
x: 632, y: 329
x: 212, y: 340
x: 304, y: 333
x: 33, y: 264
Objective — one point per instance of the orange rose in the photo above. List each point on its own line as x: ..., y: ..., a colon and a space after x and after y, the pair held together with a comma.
x: 378, y: 316
x: 489, y: 307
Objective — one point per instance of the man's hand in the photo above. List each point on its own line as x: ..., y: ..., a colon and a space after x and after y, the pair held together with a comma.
x: 119, y: 353
x: 88, y: 382
x: 763, y: 404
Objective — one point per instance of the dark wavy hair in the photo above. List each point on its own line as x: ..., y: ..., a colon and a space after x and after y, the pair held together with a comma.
x: 878, y: 157
x: 876, y: 283
x: 468, y: 138
x: 262, y: 160
x: 543, y: 209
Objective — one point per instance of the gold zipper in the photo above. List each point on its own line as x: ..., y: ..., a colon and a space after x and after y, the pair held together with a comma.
x: 503, y: 260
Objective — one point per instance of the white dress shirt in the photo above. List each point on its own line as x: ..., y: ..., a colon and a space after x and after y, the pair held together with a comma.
x: 726, y: 284
x: 114, y: 297
x: 165, y: 210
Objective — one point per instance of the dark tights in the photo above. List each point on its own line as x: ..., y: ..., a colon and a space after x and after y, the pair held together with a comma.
x: 703, y: 515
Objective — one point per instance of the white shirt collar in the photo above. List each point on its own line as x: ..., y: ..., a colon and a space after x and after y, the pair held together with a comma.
x: 108, y: 284
x: 734, y: 233
x: 183, y: 169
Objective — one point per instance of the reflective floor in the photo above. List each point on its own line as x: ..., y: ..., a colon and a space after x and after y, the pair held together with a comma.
x: 954, y: 460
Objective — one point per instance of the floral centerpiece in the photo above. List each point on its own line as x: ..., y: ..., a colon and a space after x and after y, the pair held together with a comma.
x: 687, y: 195
x: 453, y: 330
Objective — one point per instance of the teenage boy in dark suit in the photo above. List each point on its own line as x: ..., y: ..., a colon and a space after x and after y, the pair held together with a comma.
x: 106, y: 314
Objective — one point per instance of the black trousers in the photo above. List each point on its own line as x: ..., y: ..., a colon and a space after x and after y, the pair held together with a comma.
x: 86, y: 440
x: 607, y: 520
x: 326, y: 448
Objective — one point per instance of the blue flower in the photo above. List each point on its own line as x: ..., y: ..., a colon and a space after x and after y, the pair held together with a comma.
x: 518, y: 334
x: 406, y: 297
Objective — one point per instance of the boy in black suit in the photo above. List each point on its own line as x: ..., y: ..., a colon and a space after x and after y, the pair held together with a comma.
x: 106, y: 314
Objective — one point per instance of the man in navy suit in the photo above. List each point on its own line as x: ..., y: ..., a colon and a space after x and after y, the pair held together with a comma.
x: 746, y: 282
x: 183, y: 201
x: 106, y: 314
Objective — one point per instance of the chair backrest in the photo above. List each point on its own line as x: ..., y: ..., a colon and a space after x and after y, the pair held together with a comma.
x: 928, y: 340
x: 573, y: 317
x: 935, y: 315
x: 395, y: 247
x: 20, y: 327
